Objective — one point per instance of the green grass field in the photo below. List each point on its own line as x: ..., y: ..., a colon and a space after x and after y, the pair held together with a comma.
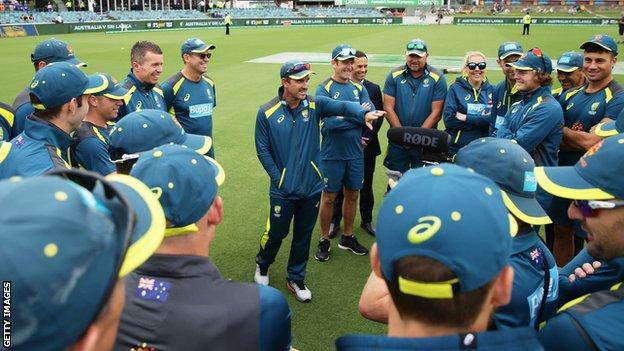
x: 241, y: 88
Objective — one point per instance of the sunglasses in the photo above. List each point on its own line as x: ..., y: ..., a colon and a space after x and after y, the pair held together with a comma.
x: 344, y: 52
x: 416, y: 46
x: 538, y: 52
x: 204, y: 56
x: 298, y: 68
x: 474, y: 65
x: 90, y: 181
x: 590, y: 208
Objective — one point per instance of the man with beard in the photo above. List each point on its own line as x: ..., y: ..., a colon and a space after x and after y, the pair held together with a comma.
x: 190, y: 94
x: 600, y: 100
x: 569, y: 74
x: 594, y: 183
x: 505, y: 93
x: 414, y: 95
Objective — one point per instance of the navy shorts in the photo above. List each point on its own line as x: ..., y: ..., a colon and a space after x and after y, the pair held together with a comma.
x: 343, y: 173
x: 402, y: 159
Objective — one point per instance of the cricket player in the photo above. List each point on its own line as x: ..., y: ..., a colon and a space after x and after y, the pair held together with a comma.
x: 505, y: 93
x: 569, y: 74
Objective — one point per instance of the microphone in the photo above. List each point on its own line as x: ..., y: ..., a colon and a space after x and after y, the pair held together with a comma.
x: 432, y: 143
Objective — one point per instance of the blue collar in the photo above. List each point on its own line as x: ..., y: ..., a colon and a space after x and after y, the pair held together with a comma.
x: 137, y: 83
x: 41, y: 130
x: 525, y: 240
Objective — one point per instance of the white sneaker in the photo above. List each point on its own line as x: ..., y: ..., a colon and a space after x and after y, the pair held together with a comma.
x: 259, y: 278
x: 300, y: 290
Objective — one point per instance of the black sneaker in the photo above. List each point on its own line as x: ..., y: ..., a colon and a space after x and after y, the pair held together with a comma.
x: 369, y: 227
x: 350, y: 243
x: 334, y: 229
x: 322, y: 254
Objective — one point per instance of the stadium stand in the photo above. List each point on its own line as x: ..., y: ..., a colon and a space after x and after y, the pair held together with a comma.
x: 47, y: 17
x: 339, y: 12
x: 265, y: 12
x: 156, y: 14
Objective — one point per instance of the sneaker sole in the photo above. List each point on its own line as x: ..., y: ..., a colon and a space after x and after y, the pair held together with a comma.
x: 292, y: 291
x: 350, y: 249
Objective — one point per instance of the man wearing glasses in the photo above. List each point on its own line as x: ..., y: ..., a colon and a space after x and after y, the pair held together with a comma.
x: 505, y: 93
x: 414, y: 95
x: 190, y: 94
x: 536, y: 121
x: 595, y: 185
x: 600, y: 100
x: 288, y: 146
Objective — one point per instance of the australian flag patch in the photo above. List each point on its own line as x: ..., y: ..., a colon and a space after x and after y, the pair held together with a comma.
x: 153, y: 289
x: 537, y: 256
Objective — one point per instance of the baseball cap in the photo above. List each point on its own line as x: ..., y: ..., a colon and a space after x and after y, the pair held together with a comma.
x: 343, y: 52
x: 194, y: 45
x: 533, y: 60
x: 58, y: 83
x: 449, y: 214
x: 89, y: 232
x: 596, y: 176
x: 295, y: 69
x: 146, y: 129
x: 114, y: 90
x: 184, y: 182
x: 512, y: 168
x: 608, y: 129
x: 509, y: 48
x: 416, y: 46
x: 602, y: 40
x: 54, y: 50
x: 570, y: 61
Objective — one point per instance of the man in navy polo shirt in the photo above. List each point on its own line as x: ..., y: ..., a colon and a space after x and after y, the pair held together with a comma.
x: 189, y: 94
x: 59, y: 94
x: 596, y: 186
x: 90, y: 144
x: 569, y: 74
x: 414, y: 95
x: 505, y: 93
x: 342, y: 155
x: 442, y: 291
x: 146, y: 59
x: 177, y: 300
x: 600, y: 100
x: 536, y: 121
x: 46, y: 52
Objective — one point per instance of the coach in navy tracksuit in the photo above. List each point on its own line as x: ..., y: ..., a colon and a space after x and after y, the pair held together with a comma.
x: 288, y: 146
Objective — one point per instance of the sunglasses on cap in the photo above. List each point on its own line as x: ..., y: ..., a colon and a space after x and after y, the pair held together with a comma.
x: 298, y: 68
x: 538, y: 52
x: 474, y: 65
x: 590, y: 208
x: 345, y: 52
x: 415, y: 46
x: 89, y: 181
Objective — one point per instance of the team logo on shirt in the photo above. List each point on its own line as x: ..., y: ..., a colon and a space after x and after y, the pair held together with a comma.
x: 356, y: 93
x: 403, y: 81
x: 187, y: 97
x: 594, y: 107
x: 467, y: 97
x: 139, y: 105
x: 153, y: 289
x: 426, y: 83
x: 578, y: 126
x: 336, y: 95
x: 514, y: 110
x: 277, y: 209
x: 280, y: 119
x: 208, y: 92
x: 305, y: 115
x: 570, y: 106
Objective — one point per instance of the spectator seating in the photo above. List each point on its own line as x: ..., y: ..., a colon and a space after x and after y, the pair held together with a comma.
x: 156, y: 14
x: 339, y: 12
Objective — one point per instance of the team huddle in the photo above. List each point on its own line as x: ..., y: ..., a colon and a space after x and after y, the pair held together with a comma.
x: 114, y: 193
